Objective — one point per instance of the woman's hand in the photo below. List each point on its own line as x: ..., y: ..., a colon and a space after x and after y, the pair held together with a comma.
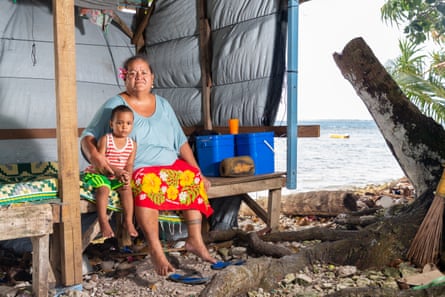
x: 186, y: 154
x: 96, y: 159
x: 207, y: 183
x: 101, y: 164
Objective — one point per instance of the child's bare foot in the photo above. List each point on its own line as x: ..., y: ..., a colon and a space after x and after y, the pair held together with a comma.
x: 106, y: 229
x: 131, y: 229
x: 162, y: 266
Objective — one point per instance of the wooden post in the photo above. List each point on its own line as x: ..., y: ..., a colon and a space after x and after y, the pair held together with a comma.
x: 69, y: 229
x: 143, y: 16
x: 204, y: 55
x: 40, y: 265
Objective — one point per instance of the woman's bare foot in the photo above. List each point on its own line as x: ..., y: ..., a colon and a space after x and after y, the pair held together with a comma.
x: 106, y: 229
x: 162, y: 266
x: 198, y: 248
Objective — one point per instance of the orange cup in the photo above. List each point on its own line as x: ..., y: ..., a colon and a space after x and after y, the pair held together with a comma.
x: 234, y: 126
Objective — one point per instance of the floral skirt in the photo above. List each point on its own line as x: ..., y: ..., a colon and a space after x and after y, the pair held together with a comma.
x: 175, y: 187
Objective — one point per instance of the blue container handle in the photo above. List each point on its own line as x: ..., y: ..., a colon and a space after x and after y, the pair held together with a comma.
x: 269, y: 146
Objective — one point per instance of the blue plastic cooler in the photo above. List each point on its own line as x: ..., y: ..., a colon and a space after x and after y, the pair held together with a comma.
x: 260, y: 147
x: 211, y: 150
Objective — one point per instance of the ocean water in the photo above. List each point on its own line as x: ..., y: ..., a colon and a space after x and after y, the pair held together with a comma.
x: 326, y: 163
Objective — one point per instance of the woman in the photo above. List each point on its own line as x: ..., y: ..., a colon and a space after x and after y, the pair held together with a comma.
x: 166, y: 174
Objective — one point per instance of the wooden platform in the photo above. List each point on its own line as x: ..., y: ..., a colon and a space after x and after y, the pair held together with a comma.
x: 273, y: 183
x: 34, y: 221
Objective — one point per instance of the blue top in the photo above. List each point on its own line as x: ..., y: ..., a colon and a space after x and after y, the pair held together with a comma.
x: 159, y: 136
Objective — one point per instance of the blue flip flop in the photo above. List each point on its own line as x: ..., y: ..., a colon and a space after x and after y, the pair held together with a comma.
x: 223, y: 264
x: 188, y: 279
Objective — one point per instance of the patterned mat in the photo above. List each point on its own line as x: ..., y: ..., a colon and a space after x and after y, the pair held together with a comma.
x: 24, y: 172
x: 28, y: 182
x: 31, y: 182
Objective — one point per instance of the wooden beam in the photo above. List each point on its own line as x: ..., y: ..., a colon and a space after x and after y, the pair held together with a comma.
x: 280, y: 131
x: 205, y: 61
x: 121, y: 24
x: 255, y: 207
x: 69, y: 228
x: 308, y: 131
x: 31, y: 133
x: 143, y: 16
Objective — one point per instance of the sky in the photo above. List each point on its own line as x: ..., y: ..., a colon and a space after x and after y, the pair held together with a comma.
x: 325, y: 27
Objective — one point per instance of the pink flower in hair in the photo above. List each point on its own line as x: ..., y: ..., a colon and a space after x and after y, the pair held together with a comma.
x: 122, y: 73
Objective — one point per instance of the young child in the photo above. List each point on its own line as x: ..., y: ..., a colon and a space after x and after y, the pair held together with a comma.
x: 120, y: 151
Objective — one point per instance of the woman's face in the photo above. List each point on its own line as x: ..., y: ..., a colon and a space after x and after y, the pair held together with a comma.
x: 139, y: 77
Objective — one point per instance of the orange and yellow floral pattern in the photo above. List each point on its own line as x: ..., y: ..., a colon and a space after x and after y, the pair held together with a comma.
x: 175, y: 187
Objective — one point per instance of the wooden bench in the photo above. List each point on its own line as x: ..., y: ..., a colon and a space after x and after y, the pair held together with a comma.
x: 221, y: 187
x: 36, y: 222
x: 273, y: 183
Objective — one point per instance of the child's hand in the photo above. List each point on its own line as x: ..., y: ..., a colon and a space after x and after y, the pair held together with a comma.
x: 124, y: 177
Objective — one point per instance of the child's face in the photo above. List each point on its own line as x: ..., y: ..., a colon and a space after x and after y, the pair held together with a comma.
x: 122, y: 124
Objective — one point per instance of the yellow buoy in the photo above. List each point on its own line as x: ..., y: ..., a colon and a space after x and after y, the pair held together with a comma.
x: 339, y: 135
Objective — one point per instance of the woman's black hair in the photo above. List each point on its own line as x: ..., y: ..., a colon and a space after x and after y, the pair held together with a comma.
x: 137, y: 57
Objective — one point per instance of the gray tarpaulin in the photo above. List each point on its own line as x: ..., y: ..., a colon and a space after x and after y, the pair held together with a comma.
x: 248, y: 59
x: 27, y: 86
x: 247, y: 64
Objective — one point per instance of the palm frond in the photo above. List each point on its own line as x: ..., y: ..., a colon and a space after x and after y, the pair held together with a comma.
x: 422, y: 84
